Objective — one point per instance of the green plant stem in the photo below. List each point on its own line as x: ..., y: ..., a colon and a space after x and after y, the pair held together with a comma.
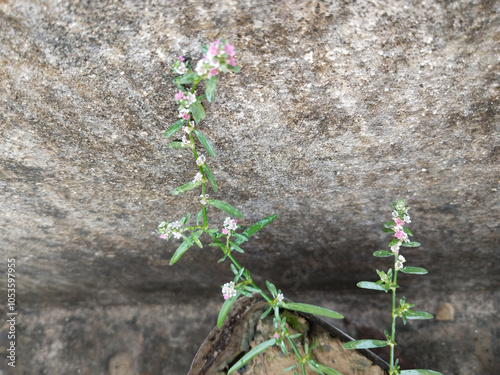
x: 392, y: 342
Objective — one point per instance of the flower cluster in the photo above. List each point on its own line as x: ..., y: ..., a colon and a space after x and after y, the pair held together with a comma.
x: 228, y: 290
x: 218, y: 56
x: 180, y: 66
x: 185, y: 99
x: 399, y: 262
x: 400, y: 217
x: 203, y: 199
x: 166, y: 230
x: 229, y: 225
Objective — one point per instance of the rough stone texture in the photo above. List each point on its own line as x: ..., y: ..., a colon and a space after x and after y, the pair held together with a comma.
x: 340, y: 107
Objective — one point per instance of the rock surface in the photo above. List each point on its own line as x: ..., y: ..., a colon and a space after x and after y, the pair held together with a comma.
x: 340, y: 108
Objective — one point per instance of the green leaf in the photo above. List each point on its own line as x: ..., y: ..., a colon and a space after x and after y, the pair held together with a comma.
x: 311, y: 309
x: 199, y: 216
x: 254, y: 228
x: 406, y: 230
x: 365, y: 344
x: 188, y: 78
x: 393, y: 242
x: 414, y: 270
x: 387, y: 230
x: 176, y: 145
x: 174, y: 128
x: 411, y: 244
x: 266, y: 313
x: 205, y: 143
x: 370, y: 285
x: 383, y: 253
x: 210, y: 177
x: 418, y: 315
x: 233, y: 68
x: 251, y: 354
x: 198, y: 111
x: 183, y: 248
x: 186, y: 187
x: 290, y: 368
x: 210, y: 90
x: 196, y: 240
x: 324, y: 369
x: 225, y: 207
x: 420, y: 372
x: 236, y: 247
x: 225, y: 310
x: 271, y: 288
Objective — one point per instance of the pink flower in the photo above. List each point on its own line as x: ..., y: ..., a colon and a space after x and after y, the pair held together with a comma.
x: 276, y: 336
x: 179, y: 95
x: 185, y: 116
x: 214, y: 48
x: 399, y: 221
x: 399, y: 234
x: 163, y: 236
x: 181, y: 59
x: 213, y: 72
x: 231, y: 61
x: 225, y: 231
x: 229, y: 49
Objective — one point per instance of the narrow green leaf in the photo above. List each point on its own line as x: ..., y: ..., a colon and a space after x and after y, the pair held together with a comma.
x: 186, y: 187
x: 198, y: 111
x: 225, y: 207
x: 174, y: 128
x: 271, y: 288
x: 325, y: 369
x: 311, y: 309
x: 188, y: 78
x: 409, y: 232
x: 370, y: 285
x: 252, y: 290
x: 420, y: 372
x: 236, y: 247
x: 199, y: 217
x: 266, y: 313
x: 389, y: 224
x: 225, y: 310
x: 196, y: 240
x: 411, y: 244
x: 290, y: 368
x: 176, y: 145
x: 182, y: 249
x: 204, y: 142
x: 365, y: 344
x: 393, y: 242
x: 418, y: 315
x: 254, y: 228
x: 233, y: 68
x: 414, y: 270
x: 382, y: 253
x: 251, y: 354
x: 218, y: 245
x: 210, y: 177
x: 210, y: 89
x: 387, y: 230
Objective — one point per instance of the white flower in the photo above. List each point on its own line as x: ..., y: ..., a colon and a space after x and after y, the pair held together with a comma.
x: 228, y: 290
x: 198, y: 177
x: 395, y: 214
x: 204, y: 199
x: 280, y: 297
x: 230, y: 224
x: 177, y: 235
x: 399, y: 263
x: 185, y: 141
x: 191, y: 98
x: 181, y: 69
x: 395, y: 248
x: 406, y: 218
x: 200, y: 161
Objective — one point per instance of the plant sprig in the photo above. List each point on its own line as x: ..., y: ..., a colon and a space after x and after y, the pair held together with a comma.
x: 219, y: 58
x: 388, y: 282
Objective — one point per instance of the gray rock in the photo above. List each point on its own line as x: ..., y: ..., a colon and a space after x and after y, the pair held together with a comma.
x: 340, y: 108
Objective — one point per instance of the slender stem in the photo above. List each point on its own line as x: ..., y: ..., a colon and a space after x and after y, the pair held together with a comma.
x: 394, y: 316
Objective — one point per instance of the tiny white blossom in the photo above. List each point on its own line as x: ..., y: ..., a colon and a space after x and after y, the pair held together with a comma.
x: 204, y: 198
x: 395, y: 248
x: 200, y: 161
x: 280, y: 297
x: 395, y: 214
x: 228, y: 290
x: 191, y: 98
x: 399, y: 263
x: 406, y: 218
x: 198, y: 177
x: 185, y: 142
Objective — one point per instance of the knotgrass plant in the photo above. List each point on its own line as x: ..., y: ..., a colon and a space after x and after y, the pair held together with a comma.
x: 219, y: 58
x: 388, y: 282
